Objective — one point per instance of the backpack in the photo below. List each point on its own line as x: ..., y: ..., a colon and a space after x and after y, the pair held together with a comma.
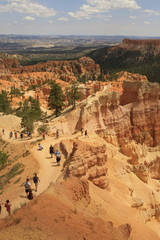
x: 58, y: 154
x: 30, y: 196
x: 27, y: 186
x: 51, y: 149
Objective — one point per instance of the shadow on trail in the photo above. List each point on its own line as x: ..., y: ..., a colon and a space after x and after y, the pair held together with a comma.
x: 22, y: 196
x: 54, y: 165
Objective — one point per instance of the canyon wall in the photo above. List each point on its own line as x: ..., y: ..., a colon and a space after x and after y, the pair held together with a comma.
x: 133, y: 115
x: 141, y: 44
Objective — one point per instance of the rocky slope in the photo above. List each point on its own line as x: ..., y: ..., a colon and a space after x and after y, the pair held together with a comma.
x: 62, y: 207
x: 108, y: 184
x: 132, y: 115
x: 106, y: 190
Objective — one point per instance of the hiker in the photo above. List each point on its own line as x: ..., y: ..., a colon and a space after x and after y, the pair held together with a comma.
x: 21, y: 135
x: 43, y: 135
x: 10, y: 134
x: 57, y: 134
x: 51, y: 151
x: 30, y: 194
x: 36, y: 180
x: 15, y: 134
x: 81, y: 131
x: 40, y: 147
x: 27, y: 186
x: 85, y: 133
x: 3, y: 131
x: 8, y: 207
x: 29, y: 135
x: 58, y: 157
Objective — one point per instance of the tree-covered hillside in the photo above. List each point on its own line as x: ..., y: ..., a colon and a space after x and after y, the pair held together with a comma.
x: 119, y: 59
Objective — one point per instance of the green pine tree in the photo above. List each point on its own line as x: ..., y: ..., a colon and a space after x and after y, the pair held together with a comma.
x: 73, y: 93
x: 4, y: 102
x: 30, y: 112
x: 56, y: 98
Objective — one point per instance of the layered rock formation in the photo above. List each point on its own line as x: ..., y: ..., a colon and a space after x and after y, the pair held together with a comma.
x: 65, y: 69
x: 86, y: 161
x: 133, y: 115
x: 141, y: 45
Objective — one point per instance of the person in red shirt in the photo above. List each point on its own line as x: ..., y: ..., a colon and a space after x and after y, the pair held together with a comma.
x: 8, y: 207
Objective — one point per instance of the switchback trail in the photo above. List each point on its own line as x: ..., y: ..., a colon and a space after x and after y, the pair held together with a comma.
x: 48, y: 171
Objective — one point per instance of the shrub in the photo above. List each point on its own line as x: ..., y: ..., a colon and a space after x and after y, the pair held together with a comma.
x: 3, y: 160
x: 17, y: 169
x: 17, y: 220
x: 43, y: 128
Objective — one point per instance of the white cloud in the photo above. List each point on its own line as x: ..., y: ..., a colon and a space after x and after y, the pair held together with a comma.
x: 79, y: 15
x: 104, y: 16
x: 50, y: 21
x: 63, y: 19
x: 151, y: 12
x: 146, y: 22
x: 27, y: 7
x: 132, y: 17
x: 97, y: 7
x: 29, y: 18
x: 106, y: 19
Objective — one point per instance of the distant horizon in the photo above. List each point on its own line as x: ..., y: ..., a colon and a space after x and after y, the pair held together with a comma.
x: 78, y: 35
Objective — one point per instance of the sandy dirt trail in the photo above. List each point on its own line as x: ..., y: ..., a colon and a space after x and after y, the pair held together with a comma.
x: 48, y: 172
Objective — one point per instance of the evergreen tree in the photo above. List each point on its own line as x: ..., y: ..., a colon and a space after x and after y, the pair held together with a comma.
x: 56, y: 98
x: 30, y: 112
x: 35, y: 110
x: 15, y: 91
x: 4, y: 102
x: 73, y: 93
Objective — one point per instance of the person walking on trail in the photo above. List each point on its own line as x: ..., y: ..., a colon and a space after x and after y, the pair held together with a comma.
x: 3, y: 131
x: 8, y: 207
x: 15, y: 134
x: 21, y: 135
x: 81, y: 131
x: 58, y: 157
x: 29, y: 135
x: 86, y: 133
x: 43, y: 135
x: 57, y: 134
x: 40, y: 147
x: 27, y: 186
x: 36, y: 180
x: 51, y: 151
x: 10, y: 134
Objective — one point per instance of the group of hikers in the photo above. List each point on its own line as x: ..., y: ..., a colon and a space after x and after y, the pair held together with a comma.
x: 57, y: 153
x: 27, y: 185
x: 29, y: 135
x: 85, y: 133
x: 52, y: 152
x: 28, y: 191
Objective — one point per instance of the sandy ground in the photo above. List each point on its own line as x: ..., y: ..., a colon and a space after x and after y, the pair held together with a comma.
x: 43, y: 164
x: 113, y: 204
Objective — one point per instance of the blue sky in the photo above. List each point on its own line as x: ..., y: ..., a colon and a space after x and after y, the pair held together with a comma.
x: 80, y: 17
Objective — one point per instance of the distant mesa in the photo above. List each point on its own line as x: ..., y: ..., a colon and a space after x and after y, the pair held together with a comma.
x: 155, y: 43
